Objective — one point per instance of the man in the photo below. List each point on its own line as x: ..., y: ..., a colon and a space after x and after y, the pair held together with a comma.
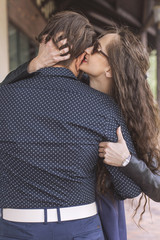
x: 51, y: 125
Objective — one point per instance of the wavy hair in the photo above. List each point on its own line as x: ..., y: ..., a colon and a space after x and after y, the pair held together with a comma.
x: 129, y: 62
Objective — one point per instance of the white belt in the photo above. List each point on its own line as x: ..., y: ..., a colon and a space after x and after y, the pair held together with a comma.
x: 38, y: 215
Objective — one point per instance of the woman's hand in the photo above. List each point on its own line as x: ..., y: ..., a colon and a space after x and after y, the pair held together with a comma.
x: 49, y: 55
x: 114, y: 153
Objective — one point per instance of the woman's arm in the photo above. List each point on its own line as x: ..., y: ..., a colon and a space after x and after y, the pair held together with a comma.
x: 17, y: 74
x: 149, y: 182
x: 48, y: 55
x: 115, y: 153
x: 123, y: 186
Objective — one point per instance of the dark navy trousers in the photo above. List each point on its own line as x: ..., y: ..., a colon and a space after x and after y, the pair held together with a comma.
x: 88, y: 229
x: 112, y: 217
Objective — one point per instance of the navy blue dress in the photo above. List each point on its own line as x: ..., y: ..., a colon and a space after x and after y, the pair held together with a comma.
x: 112, y: 215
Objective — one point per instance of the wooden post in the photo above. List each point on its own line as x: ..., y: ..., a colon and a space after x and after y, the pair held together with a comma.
x: 158, y: 63
x: 144, y: 39
x: 147, y: 20
x: 4, y: 51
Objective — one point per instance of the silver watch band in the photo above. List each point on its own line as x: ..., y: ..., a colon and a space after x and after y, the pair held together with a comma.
x: 126, y: 161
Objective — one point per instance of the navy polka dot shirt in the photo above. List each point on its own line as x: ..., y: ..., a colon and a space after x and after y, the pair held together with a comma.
x: 51, y: 125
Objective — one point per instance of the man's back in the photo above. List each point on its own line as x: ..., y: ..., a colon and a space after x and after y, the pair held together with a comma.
x: 51, y: 126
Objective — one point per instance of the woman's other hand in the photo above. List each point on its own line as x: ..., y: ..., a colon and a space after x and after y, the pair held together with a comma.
x: 49, y: 55
x: 114, y: 153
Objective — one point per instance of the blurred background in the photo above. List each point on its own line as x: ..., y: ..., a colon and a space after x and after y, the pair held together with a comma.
x: 22, y: 20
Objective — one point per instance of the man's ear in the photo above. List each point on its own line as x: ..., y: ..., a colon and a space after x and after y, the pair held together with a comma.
x: 79, y: 61
x: 108, y: 72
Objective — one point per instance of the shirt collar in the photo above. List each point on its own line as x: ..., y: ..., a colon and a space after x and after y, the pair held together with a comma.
x: 57, y: 72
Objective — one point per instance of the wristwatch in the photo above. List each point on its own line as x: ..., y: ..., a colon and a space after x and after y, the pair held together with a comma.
x: 126, y: 161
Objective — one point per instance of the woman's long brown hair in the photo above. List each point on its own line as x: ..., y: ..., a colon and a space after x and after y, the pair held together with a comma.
x: 129, y: 62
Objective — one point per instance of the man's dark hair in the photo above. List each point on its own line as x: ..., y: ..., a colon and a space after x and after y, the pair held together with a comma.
x: 73, y: 26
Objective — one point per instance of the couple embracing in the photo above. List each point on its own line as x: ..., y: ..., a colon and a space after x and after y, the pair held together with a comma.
x: 64, y: 171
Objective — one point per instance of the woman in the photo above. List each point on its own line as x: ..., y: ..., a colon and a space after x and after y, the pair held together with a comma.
x: 116, y: 70
x: 120, y: 65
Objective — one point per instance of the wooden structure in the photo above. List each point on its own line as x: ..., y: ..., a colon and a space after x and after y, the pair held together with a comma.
x: 138, y: 14
x: 26, y: 17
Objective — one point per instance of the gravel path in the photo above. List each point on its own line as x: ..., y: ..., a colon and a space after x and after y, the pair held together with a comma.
x: 151, y: 225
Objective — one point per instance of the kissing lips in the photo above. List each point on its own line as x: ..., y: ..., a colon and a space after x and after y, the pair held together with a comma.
x: 84, y: 59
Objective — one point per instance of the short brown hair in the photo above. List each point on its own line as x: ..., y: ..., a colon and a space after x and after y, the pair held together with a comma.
x: 73, y: 26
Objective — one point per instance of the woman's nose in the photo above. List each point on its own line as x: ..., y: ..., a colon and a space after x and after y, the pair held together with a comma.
x: 89, y: 50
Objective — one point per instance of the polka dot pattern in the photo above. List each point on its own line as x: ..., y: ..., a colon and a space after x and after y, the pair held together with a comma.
x: 51, y: 125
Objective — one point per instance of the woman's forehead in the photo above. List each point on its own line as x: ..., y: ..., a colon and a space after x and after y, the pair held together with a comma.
x: 106, y: 39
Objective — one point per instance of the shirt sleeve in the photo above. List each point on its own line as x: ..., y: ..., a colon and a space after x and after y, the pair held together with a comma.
x: 17, y: 74
x: 124, y: 186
